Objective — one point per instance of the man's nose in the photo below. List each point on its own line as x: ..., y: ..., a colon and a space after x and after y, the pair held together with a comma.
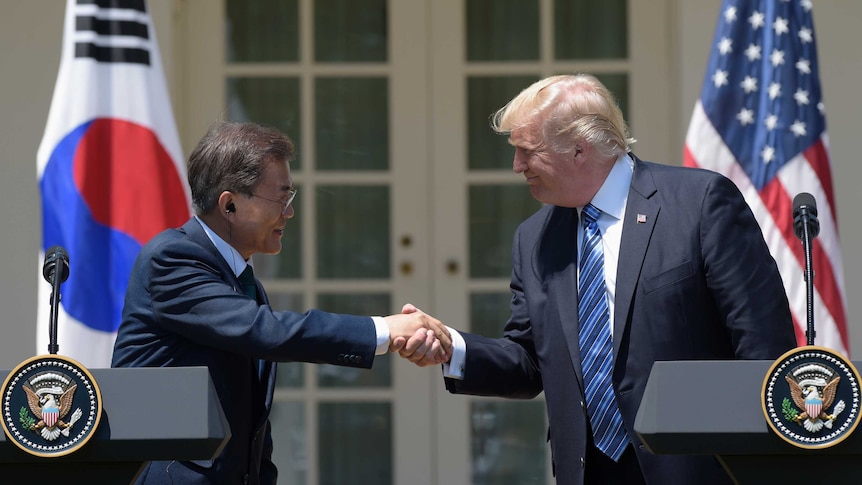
x: 519, y: 164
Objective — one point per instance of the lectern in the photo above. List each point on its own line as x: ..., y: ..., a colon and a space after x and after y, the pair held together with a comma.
x: 714, y: 408
x: 147, y: 414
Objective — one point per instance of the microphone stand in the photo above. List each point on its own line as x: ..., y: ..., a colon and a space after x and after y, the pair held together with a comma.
x: 55, y: 270
x: 53, y: 348
x: 810, y: 333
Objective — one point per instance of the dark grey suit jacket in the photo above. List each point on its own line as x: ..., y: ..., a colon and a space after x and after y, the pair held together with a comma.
x: 695, y: 281
x: 184, y: 307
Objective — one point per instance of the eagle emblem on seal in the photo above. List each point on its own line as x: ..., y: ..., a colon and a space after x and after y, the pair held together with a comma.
x: 49, y: 397
x: 813, y: 388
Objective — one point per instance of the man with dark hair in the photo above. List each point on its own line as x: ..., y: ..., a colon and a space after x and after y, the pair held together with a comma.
x: 192, y: 300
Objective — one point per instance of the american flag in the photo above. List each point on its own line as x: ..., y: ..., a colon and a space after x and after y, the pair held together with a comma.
x: 760, y: 121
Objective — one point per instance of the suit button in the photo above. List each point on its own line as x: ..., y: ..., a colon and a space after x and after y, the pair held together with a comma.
x: 358, y: 359
x: 582, y: 405
x: 245, y: 479
x: 582, y: 462
x: 340, y: 358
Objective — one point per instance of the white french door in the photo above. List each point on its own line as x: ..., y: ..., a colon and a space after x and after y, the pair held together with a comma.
x: 405, y: 195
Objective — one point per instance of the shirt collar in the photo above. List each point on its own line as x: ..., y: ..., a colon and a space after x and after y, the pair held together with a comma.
x: 613, y: 194
x: 229, y: 253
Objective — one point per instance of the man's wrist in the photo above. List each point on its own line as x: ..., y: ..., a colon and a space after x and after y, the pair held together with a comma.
x: 383, y: 336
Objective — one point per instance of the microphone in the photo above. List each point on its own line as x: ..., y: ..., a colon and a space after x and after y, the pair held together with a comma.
x: 805, y: 210
x: 56, y: 271
x: 806, y: 227
x: 56, y: 260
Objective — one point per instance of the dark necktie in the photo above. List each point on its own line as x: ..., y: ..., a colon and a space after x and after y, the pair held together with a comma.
x: 595, y: 343
x: 246, y: 282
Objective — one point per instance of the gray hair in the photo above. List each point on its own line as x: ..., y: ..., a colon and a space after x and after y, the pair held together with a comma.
x: 232, y: 156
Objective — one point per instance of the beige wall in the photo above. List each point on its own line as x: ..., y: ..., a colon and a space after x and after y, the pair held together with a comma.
x: 30, y: 36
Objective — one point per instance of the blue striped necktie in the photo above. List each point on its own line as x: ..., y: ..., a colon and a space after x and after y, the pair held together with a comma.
x: 594, y: 338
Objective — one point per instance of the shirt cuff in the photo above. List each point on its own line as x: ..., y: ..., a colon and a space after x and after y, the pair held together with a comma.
x: 455, y: 367
x: 382, y: 335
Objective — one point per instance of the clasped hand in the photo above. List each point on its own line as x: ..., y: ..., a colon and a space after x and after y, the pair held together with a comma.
x: 419, y: 337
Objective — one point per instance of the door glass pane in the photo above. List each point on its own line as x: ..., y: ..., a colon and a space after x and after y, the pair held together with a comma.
x: 489, y: 312
x: 352, y: 123
x: 352, y: 231
x: 495, y: 213
x: 485, y: 95
x: 261, y: 31
x: 289, y: 375
x: 587, y: 29
x: 350, y: 30
x: 355, y: 444
x: 289, y: 444
x: 380, y: 375
x: 618, y: 84
x: 502, y: 30
x: 266, y: 100
x: 508, y: 442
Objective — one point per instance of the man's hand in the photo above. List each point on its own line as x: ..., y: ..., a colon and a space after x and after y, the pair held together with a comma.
x: 419, y: 337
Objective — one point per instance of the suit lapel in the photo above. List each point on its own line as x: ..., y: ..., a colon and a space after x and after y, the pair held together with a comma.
x: 638, y: 224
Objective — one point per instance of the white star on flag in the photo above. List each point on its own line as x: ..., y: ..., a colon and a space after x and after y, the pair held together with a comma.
x: 749, y: 84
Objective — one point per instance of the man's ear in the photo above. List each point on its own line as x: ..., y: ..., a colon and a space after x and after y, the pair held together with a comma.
x: 578, y: 155
x: 226, y: 203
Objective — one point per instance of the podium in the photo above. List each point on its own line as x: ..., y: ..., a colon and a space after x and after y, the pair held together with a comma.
x: 164, y: 413
x: 714, y: 408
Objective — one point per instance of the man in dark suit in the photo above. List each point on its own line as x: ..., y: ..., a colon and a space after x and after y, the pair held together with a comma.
x: 686, y: 276
x: 192, y: 300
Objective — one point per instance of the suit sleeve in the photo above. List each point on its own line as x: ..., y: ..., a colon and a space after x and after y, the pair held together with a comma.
x: 743, y: 276
x: 189, y: 298
x: 505, y: 366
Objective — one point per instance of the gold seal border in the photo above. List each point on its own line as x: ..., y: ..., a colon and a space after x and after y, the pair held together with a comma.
x: 72, y: 362
x: 783, y: 360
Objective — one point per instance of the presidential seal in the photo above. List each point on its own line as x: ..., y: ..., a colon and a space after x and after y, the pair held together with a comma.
x: 811, y: 397
x: 51, y: 405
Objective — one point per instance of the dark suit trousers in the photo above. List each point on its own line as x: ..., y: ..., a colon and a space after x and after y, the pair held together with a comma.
x: 601, y: 470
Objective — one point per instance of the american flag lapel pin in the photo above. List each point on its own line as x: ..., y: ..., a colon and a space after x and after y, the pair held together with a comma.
x: 641, y: 218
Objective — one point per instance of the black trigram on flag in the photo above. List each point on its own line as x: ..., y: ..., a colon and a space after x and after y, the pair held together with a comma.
x: 112, y: 31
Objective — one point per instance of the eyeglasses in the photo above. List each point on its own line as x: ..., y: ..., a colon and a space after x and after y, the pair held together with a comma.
x: 291, y: 194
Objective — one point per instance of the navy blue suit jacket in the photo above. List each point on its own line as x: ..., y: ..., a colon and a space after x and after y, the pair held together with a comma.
x: 184, y: 307
x: 695, y: 281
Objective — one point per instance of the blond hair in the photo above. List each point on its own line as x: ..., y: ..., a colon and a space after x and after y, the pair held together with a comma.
x: 568, y: 109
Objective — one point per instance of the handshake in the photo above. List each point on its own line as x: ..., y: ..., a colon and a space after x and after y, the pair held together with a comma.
x: 419, y: 337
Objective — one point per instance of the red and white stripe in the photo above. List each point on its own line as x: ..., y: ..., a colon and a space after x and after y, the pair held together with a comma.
x: 810, y: 172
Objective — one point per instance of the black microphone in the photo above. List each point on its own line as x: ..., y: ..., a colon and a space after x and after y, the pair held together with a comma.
x: 806, y: 227
x: 56, y: 271
x: 805, y: 211
x: 56, y: 259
